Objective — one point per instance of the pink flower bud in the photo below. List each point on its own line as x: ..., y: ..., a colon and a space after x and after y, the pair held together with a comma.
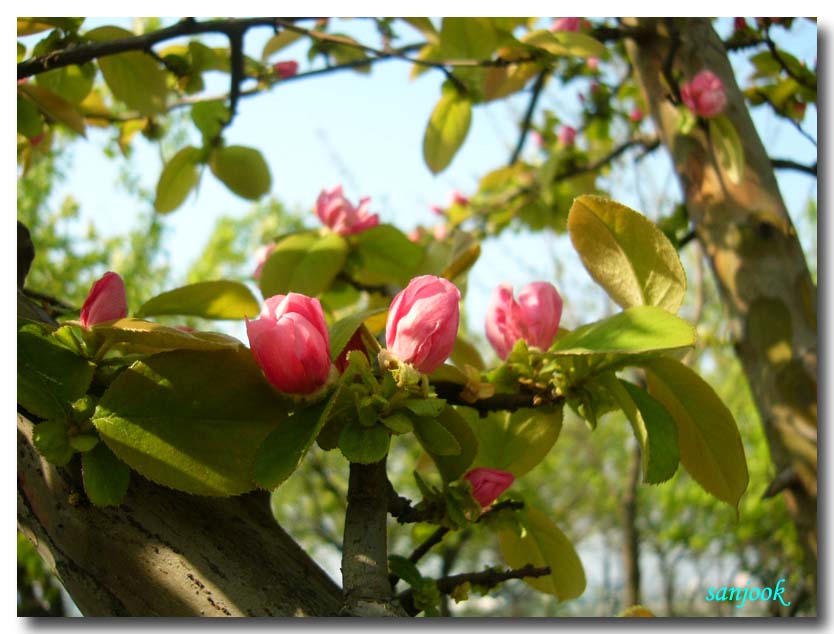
x: 336, y: 212
x: 437, y: 210
x: 291, y: 344
x: 488, y: 484
x: 739, y: 24
x: 423, y: 322
x: 566, y: 24
x: 592, y: 64
x: 567, y: 135
x: 636, y: 115
x: 286, y: 69
x: 537, y: 137
x: 414, y: 235
x: 106, y: 301
x: 704, y: 95
x: 534, y: 317
x: 457, y: 198
x: 440, y: 231
x: 261, y: 256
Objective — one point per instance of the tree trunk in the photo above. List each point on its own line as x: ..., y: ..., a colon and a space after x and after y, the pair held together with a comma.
x: 754, y: 253
x: 165, y: 553
x: 631, y: 538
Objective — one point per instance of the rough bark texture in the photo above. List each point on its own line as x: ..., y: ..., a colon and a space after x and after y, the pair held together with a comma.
x: 165, y: 553
x: 755, y: 255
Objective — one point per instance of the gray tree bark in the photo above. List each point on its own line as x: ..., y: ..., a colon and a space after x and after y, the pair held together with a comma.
x: 754, y: 253
x: 165, y: 553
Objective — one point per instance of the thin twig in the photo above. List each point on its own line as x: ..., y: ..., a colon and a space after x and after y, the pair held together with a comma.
x: 486, y: 579
x: 788, y: 164
x: 763, y: 96
x: 783, y: 64
x: 528, y: 116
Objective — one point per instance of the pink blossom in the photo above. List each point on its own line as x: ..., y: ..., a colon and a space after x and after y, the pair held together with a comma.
x: 592, y: 64
x: 423, y: 322
x: 567, y: 135
x: 566, y: 24
x: 537, y: 137
x: 488, y: 484
x: 437, y: 210
x: 106, y: 301
x: 456, y: 198
x: 636, y: 115
x: 534, y: 317
x: 286, y: 69
x: 440, y: 231
x: 336, y: 212
x: 414, y: 235
x: 290, y: 343
x: 261, y: 256
x: 704, y: 95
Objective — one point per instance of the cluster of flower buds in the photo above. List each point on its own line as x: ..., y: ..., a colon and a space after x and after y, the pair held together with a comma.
x: 704, y: 95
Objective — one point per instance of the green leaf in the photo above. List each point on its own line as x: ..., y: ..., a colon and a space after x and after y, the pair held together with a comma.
x: 405, y: 569
x: 210, y: 117
x: 288, y: 443
x: 278, y: 42
x: 197, y: 423
x: 565, y: 43
x: 134, y: 78
x: 635, y: 330
x: 467, y: 38
x: 446, y: 130
x: 344, y: 329
x: 429, y: 407
x: 517, y: 441
x: 728, y: 147
x: 146, y: 336
x: 241, y: 169
x: 221, y: 299
x: 653, y: 427
x: 55, y: 107
x: 29, y: 119
x: 364, y: 445
x: 626, y: 254
x: 178, y: 178
x: 459, y: 422
x: 303, y: 263
x: 83, y: 442
x: 710, y: 444
x: 398, y: 423
x: 72, y: 83
x: 543, y: 544
x: 383, y: 255
x: 52, y: 442
x: 49, y: 377
x: 435, y: 438
x: 106, y: 478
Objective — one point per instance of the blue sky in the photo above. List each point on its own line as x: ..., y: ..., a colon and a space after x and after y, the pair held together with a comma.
x: 366, y: 132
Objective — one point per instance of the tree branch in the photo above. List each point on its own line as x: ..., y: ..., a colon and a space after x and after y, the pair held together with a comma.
x: 486, y: 579
x: 783, y: 64
x: 83, y: 53
x: 367, y: 591
x: 165, y: 553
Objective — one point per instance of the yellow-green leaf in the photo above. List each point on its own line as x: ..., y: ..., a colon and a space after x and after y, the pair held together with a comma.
x: 710, y: 444
x: 279, y: 41
x: 728, y: 147
x: 221, y: 299
x: 543, y: 544
x: 242, y: 169
x: 134, y: 78
x: 447, y: 130
x: 626, y: 253
x: 54, y: 106
x: 146, y: 336
x: 517, y: 441
x: 303, y: 263
x: 72, y: 83
x: 565, y: 43
x: 178, y: 178
x: 468, y: 38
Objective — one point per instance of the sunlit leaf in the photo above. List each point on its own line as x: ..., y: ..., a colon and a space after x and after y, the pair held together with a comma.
x: 517, y: 441
x: 221, y: 299
x: 446, y: 130
x: 303, y: 263
x: 627, y: 254
x: 728, y: 147
x: 178, y: 178
x: 242, y: 169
